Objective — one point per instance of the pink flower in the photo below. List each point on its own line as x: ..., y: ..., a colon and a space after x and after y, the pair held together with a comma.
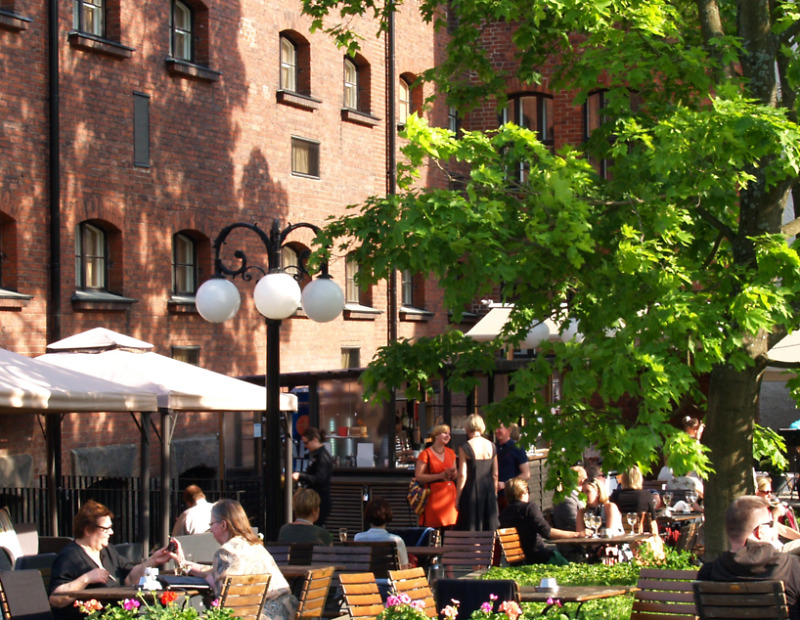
x: 486, y: 607
x: 512, y: 609
x: 215, y: 602
x: 392, y: 600
x: 405, y: 599
x: 450, y: 612
x: 493, y: 597
x: 131, y: 604
x: 418, y: 604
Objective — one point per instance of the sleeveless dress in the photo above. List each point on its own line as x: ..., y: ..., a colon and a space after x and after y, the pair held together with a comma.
x: 440, y: 510
x: 477, y: 506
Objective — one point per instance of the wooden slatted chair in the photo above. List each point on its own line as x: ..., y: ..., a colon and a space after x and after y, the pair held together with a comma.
x: 245, y: 594
x: 383, y: 557
x: 466, y: 552
x: 722, y: 600
x: 664, y: 595
x: 361, y: 595
x: 687, y: 538
x: 279, y: 552
x: 511, y: 546
x: 315, y: 593
x: 414, y: 583
x: 356, y: 559
x: 23, y: 597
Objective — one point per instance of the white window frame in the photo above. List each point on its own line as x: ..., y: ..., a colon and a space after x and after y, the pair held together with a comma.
x: 184, y: 265
x: 350, y: 84
x: 91, y: 257
x: 288, y: 64
x: 89, y: 17
x: 182, y: 31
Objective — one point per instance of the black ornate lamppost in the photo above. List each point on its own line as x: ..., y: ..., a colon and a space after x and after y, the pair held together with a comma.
x: 277, y: 296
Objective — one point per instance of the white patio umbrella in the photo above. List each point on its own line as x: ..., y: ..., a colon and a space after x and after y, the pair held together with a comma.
x: 28, y: 386
x: 177, y: 385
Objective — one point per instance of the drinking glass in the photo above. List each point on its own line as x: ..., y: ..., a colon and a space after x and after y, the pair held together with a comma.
x: 632, y: 518
x: 588, y: 521
x: 342, y: 534
x: 598, y: 523
x: 183, y: 569
x: 691, y: 498
x: 667, y: 497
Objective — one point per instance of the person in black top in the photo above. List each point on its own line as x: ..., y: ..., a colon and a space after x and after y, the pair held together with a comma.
x: 751, y: 532
x: 90, y: 562
x: 317, y: 475
x: 632, y: 498
x: 512, y: 462
x: 532, y: 528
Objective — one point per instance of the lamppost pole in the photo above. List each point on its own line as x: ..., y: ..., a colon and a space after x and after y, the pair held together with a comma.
x: 277, y: 296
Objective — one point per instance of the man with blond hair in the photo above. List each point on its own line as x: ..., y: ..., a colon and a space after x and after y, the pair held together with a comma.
x: 751, y: 532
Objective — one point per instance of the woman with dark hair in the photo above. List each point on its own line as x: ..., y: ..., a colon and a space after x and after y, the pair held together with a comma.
x: 243, y: 553
x: 378, y: 514
x: 317, y: 475
x: 89, y: 561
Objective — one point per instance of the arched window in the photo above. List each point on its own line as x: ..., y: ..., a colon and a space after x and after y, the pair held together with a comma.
x: 288, y: 65
x: 350, y: 84
x: 91, y: 257
x: 182, y: 31
x: 184, y: 265
x: 88, y: 17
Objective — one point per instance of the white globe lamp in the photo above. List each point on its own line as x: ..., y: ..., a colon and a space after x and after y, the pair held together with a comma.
x: 217, y: 300
x: 277, y: 296
x: 541, y: 332
x: 322, y: 299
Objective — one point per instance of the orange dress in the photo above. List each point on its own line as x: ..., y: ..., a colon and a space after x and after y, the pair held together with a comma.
x: 440, y: 510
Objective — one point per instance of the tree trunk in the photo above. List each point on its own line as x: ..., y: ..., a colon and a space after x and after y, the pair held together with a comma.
x: 732, y: 411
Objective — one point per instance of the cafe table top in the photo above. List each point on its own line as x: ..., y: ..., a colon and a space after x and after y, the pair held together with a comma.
x: 601, y: 540
x: 120, y: 593
x: 572, y: 594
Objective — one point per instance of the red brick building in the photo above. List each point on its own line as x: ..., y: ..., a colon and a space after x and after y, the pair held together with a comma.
x: 132, y: 133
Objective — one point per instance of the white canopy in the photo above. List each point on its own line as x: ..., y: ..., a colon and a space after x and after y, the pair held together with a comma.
x: 27, y: 385
x: 179, y: 386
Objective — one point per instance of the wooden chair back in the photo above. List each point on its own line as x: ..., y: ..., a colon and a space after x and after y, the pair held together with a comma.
x: 22, y: 596
x: 279, y: 552
x: 687, y: 538
x: 245, y: 594
x: 464, y: 552
x: 511, y: 546
x: 361, y: 595
x: 741, y: 599
x: 42, y: 562
x: 383, y: 557
x: 355, y: 557
x: 664, y: 595
x: 414, y: 583
x: 315, y: 593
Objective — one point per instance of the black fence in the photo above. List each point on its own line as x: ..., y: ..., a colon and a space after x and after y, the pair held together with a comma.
x: 123, y: 498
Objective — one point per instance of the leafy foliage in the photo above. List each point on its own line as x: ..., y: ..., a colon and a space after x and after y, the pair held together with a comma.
x: 674, y: 266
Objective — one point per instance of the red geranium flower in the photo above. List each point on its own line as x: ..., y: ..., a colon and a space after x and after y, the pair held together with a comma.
x: 168, y: 597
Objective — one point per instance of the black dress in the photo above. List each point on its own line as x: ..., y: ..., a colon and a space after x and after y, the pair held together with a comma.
x: 317, y: 476
x: 477, y: 506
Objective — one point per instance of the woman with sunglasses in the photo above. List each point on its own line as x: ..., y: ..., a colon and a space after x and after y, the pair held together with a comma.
x: 89, y: 561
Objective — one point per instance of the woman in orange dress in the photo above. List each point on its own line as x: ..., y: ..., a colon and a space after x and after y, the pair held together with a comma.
x: 436, y: 467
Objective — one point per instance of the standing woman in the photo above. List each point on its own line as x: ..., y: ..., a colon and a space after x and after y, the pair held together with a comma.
x: 436, y: 467
x: 317, y: 475
x: 476, y: 487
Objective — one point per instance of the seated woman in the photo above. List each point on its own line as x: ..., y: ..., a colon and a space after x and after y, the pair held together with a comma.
x: 243, y: 553
x: 532, y: 528
x: 784, y: 530
x: 597, y: 502
x: 377, y: 515
x: 305, y: 504
x: 88, y: 561
x: 632, y: 498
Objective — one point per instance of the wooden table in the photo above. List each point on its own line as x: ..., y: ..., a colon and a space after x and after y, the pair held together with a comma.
x: 571, y: 594
x: 601, y: 540
x: 677, y: 517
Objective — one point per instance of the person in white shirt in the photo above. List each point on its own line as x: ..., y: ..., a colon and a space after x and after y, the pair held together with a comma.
x: 378, y: 514
x: 197, y: 518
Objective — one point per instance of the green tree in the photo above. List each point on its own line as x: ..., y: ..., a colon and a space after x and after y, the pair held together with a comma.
x: 676, y: 268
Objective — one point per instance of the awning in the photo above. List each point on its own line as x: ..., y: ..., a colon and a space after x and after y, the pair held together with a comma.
x: 490, y: 326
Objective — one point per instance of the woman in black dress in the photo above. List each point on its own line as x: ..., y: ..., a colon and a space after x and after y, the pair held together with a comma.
x: 476, y: 485
x: 317, y: 475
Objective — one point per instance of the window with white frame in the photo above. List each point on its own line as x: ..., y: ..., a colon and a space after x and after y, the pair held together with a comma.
x: 88, y: 17
x: 350, y: 84
x: 182, y: 29
x: 407, y: 288
x: 305, y: 157
x: 533, y: 111
x: 351, y: 292
x: 184, y: 265
x: 288, y: 64
x: 404, y: 102
x: 91, y: 257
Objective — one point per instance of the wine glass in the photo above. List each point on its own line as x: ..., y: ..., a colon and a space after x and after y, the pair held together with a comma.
x: 184, y: 569
x: 588, y: 520
x: 632, y: 518
x: 343, y: 534
x: 691, y: 498
x: 667, y: 497
x: 597, y: 521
